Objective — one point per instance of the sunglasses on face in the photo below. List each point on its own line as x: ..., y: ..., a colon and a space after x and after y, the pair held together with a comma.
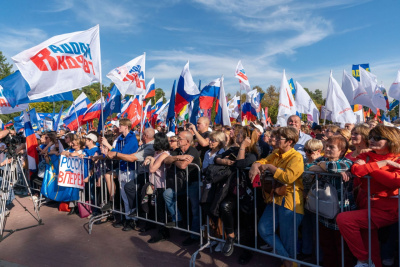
x: 309, y: 151
x: 213, y: 141
x: 377, y: 138
x: 172, y: 140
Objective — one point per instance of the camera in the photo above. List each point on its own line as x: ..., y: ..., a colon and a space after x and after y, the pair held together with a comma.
x: 12, y: 141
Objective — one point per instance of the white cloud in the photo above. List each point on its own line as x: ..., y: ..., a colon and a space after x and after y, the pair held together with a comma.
x: 59, y: 6
x: 287, y: 25
x: 15, y: 40
x: 109, y: 14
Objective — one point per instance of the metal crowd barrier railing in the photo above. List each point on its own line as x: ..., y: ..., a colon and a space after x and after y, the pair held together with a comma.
x: 12, y: 176
x: 98, y: 203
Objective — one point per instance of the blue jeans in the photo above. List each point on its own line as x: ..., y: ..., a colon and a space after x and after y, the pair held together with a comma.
x: 193, y: 192
x: 284, y: 243
x: 170, y: 199
x: 307, y: 232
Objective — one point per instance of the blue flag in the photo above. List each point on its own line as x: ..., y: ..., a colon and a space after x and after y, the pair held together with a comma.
x: 50, y: 188
x: 111, y: 105
x: 171, y: 112
x: 292, y: 87
x: 393, y: 104
x: 34, y: 121
x: 356, y: 70
x: 16, y: 88
x: 195, y: 111
x: 58, y: 119
x: 19, y: 122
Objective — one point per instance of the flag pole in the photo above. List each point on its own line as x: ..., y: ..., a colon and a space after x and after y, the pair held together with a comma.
x: 102, y: 106
x: 325, y: 99
x: 240, y: 103
x: 77, y: 120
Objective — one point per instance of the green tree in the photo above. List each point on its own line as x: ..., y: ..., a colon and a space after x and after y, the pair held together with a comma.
x: 160, y: 93
x: 5, y: 67
x: 5, y: 70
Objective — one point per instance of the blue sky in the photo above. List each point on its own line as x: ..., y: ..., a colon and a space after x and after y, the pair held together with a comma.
x: 307, y: 38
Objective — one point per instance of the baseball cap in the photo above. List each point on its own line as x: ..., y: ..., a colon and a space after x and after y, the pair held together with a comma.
x: 91, y: 137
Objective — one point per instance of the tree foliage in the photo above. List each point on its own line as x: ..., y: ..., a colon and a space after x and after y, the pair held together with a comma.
x: 5, y: 67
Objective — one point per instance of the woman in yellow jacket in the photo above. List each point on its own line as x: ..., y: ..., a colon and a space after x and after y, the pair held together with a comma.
x: 286, y: 165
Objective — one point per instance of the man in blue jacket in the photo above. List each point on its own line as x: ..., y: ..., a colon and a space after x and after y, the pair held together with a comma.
x: 126, y: 144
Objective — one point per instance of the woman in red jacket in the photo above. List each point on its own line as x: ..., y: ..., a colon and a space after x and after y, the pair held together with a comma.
x: 383, y: 165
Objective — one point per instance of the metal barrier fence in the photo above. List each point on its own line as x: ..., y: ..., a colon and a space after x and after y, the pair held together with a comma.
x: 12, y: 176
x: 100, y: 190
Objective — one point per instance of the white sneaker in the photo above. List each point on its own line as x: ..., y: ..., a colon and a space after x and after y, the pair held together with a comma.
x: 219, y: 247
x: 363, y: 264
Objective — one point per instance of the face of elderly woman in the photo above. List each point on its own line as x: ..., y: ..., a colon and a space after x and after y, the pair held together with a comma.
x: 332, y: 151
x: 213, y: 143
x: 282, y: 143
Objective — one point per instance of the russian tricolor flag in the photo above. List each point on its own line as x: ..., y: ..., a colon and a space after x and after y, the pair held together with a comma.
x: 76, y: 112
x: 249, y: 112
x: 93, y: 112
x: 151, y: 89
x: 158, y: 104
x: 209, y: 94
x: 31, y: 143
x: 187, y: 90
x: 9, y: 124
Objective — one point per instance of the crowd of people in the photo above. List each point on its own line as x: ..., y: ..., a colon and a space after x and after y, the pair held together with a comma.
x: 209, y: 167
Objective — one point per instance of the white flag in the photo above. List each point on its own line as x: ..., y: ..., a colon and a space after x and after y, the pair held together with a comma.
x: 129, y: 78
x: 359, y: 116
x: 233, y: 107
x: 255, y: 100
x: 222, y: 116
x: 368, y: 81
x: 62, y: 63
x: 241, y: 75
x: 162, y: 112
x: 325, y: 114
x: 304, y: 103
x: 394, y: 90
x: 355, y: 93
x: 287, y: 105
x: 378, y: 99
x: 337, y: 103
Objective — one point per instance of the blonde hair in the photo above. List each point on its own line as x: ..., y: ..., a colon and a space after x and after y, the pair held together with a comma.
x: 332, y: 128
x: 220, y: 137
x: 345, y: 133
x: 392, y: 134
x: 126, y: 122
x: 363, y: 130
x: 314, y: 144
